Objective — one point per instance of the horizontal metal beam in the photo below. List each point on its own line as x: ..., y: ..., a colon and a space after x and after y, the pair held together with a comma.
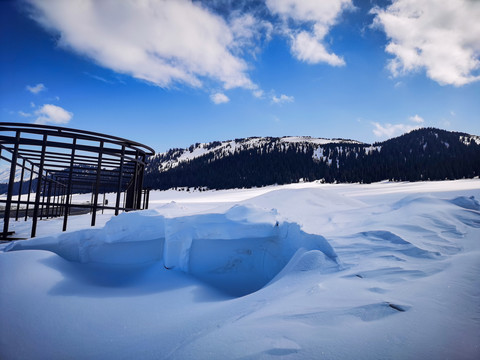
x: 60, y: 145
x: 58, y: 131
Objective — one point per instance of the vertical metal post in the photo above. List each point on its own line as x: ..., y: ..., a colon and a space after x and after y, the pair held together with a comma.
x: 54, y: 202
x: 135, y: 182
x: 103, y: 204
x: 20, y: 190
x: 44, y: 192
x: 49, y: 194
x: 92, y: 197
x: 61, y: 192
x: 62, y: 202
x: 59, y: 197
x: 29, y: 192
x: 39, y: 187
x: 140, y: 182
x: 11, y: 180
x: 68, y: 198
x: 55, y: 199
x: 97, y: 183
x: 148, y: 198
x: 120, y: 178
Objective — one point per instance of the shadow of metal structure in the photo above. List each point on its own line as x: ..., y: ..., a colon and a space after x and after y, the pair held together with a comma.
x: 48, y: 164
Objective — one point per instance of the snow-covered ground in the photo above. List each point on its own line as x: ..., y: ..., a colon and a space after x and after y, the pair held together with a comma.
x: 303, y: 271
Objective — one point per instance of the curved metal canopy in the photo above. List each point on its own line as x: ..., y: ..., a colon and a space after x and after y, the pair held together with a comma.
x: 55, y: 162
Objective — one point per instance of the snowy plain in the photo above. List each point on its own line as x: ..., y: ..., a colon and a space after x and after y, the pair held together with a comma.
x: 301, y: 271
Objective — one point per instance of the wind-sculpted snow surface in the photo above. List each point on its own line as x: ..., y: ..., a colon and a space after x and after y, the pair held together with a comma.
x: 238, y: 251
x: 308, y: 271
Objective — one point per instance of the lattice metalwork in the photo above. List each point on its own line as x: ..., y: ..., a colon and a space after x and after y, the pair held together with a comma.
x: 48, y: 164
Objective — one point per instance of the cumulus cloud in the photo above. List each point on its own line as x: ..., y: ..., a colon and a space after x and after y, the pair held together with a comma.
x: 318, y: 17
x: 258, y: 93
x: 36, y: 88
x: 416, y: 119
x: 52, y: 114
x: 391, y: 130
x: 442, y: 38
x: 249, y: 31
x: 309, y: 49
x: 24, y: 114
x: 219, y: 98
x: 282, y: 99
x: 160, y: 41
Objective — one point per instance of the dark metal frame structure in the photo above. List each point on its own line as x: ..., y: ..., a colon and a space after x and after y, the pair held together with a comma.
x: 59, y: 162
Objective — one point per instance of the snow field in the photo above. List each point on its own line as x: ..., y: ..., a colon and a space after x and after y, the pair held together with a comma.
x: 304, y: 271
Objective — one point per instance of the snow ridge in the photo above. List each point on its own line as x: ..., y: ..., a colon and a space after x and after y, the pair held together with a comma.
x: 174, y: 157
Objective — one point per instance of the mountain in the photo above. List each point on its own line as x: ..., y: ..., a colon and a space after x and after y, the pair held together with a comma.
x: 423, y: 154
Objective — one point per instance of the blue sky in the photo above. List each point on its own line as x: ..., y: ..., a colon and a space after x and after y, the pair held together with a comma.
x: 172, y: 73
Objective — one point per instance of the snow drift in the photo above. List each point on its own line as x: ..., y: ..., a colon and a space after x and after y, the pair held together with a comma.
x: 304, y: 271
x: 238, y: 251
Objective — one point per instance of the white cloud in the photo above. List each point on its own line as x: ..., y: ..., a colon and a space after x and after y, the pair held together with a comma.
x: 309, y: 49
x: 445, y: 123
x: 36, y: 88
x: 282, y: 99
x: 249, y: 31
x: 52, y: 114
x: 443, y: 38
x: 160, y: 41
x: 219, y: 98
x: 24, y: 114
x: 416, y: 119
x: 391, y: 130
x: 99, y: 78
x: 319, y: 17
x: 258, y: 93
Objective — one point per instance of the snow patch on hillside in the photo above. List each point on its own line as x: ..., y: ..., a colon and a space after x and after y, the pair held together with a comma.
x: 468, y: 139
x: 317, y: 141
x: 370, y: 149
x: 221, y: 149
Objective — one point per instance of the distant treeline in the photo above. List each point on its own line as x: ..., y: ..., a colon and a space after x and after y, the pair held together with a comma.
x: 425, y: 154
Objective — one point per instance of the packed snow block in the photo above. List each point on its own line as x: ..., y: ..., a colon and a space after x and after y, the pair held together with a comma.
x: 239, y: 251
x: 128, y: 239
x: 238, y: 223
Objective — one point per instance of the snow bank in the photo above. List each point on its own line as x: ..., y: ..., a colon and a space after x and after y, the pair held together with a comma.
x: 305, y: 271
x: 238, y: 251
x: 132, y: 238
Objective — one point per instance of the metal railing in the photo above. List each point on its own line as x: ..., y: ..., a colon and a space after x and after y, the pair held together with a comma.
x: 56, y: 162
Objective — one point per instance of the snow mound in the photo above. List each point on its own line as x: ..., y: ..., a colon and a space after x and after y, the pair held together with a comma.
x: 354, y: 271
x: 312, y: 260
x: 238, y: 251
x: 315, y: 260
x: 129, y: 239
x: 469, y: 203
